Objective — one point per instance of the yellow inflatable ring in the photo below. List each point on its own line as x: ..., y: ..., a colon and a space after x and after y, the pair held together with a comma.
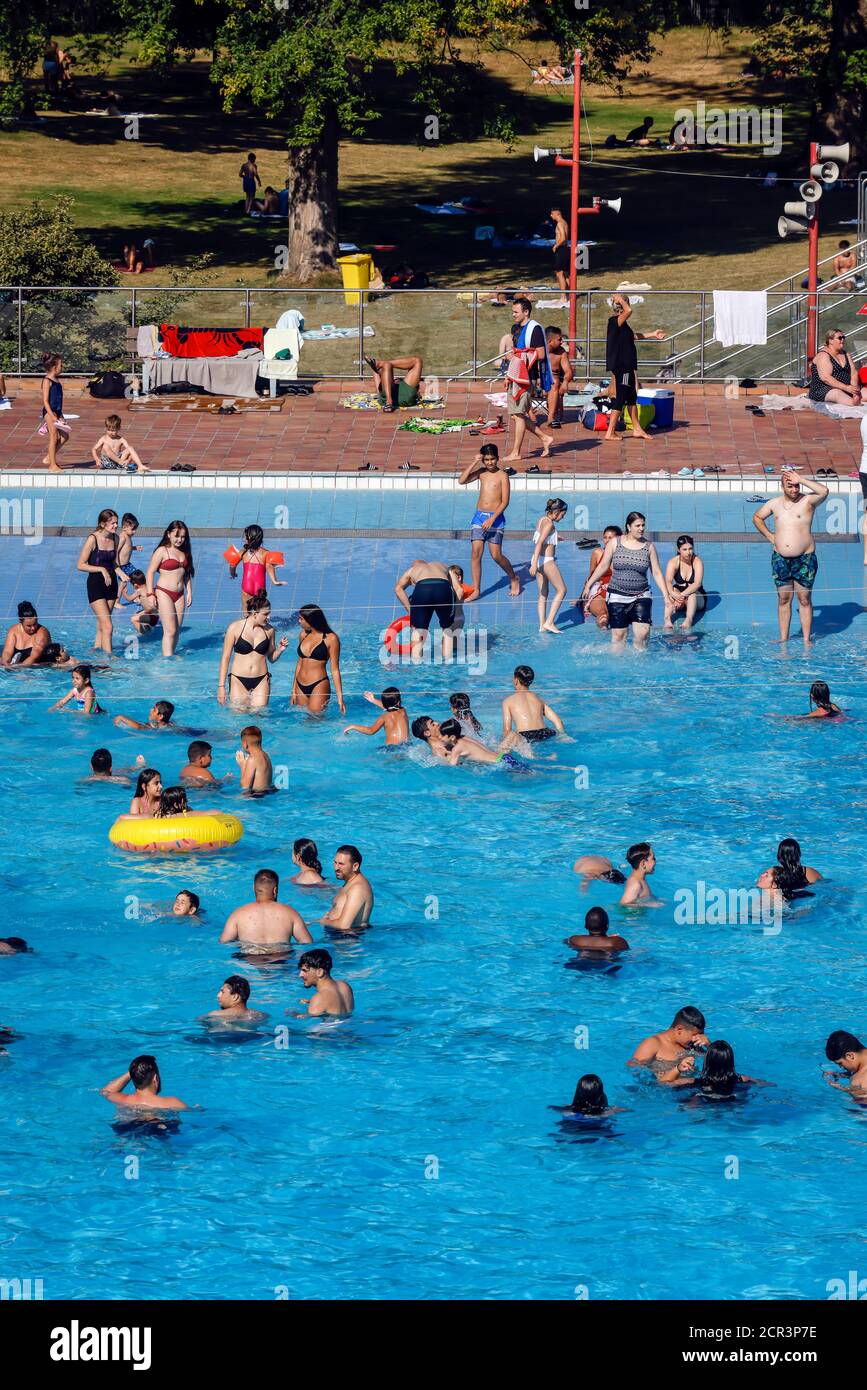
x: 176, y: 834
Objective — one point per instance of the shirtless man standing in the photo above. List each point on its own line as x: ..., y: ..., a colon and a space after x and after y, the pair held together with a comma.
x: 489, y: 523
x: 561, y: 249
x: 353, y: 904
x: 265, y: 925
x: 434, y: 592
x: 669, y: 1052
x: 642, y: 861
x: 145, y: 1077
x: 528, y: 711
x: 793, y: 558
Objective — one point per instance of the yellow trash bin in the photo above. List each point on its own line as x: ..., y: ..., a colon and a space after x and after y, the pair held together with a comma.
x: 355, y: 270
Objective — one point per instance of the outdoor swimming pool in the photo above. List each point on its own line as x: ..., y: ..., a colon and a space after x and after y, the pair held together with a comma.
x: 409, y: 1152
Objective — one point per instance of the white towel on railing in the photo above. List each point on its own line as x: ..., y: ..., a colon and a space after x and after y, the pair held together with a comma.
x: 740, y: 317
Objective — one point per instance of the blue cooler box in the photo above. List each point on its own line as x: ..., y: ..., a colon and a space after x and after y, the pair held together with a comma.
x: 664, y: 402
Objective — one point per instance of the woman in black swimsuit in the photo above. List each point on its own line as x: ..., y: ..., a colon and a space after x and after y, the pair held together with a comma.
x: 27, y: 640
x: 249, y: 646
x: 788, y: 876
x: 53, y: 422
x: 317, y: 646
x: 833, y: 374
x: 683, y: 575
x: 98, y: 560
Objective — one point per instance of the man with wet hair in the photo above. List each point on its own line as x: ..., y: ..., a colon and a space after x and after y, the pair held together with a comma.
x: 160, y: 717
x: 850, y: 1054
x: 333, y: 997
x: 353, y: 903
x: 13, y: 946
x: 670, y: 1053
x: 232, y: 998
x: 642, y: 861
x: 265, y: 925
x: 145, y: 1077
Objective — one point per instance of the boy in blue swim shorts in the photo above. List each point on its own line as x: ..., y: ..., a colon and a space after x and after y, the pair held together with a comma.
x: 488, y: 526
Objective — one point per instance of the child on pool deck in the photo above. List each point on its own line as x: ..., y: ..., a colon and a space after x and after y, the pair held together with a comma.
x: 82, y: 693
x: 112, y: 452
x: 255, y: 765
x: 393, y: 718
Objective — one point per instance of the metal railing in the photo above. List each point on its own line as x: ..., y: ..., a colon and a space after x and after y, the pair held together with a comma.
x: 456, y: 331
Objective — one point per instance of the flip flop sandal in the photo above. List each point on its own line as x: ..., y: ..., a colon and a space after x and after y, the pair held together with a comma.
x: 389, y: 409
x: 758, y: 412
x: 830, y: 473
x: 714, y: 468
x: 756, y: 498
x: 366, y: 468
x: 371, y: 362
x: 473, y: 431
x: 587, y: 545
x: 409, y: 468
x: 554, y: 425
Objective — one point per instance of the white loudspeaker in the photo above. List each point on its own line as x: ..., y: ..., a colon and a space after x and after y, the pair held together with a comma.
x: 797, y: 209
x: 839, y: 153
x: 810, y: 191
x: 614, y: 204
x: 828, y: 172
x: 788, y: 226
x: 539, y: 153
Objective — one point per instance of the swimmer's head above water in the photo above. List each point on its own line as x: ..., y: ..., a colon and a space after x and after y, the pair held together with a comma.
x: 186, y: 904
x: 845, y: 1049
x: 687, y: 1025
x: 162, y: 712
x: 590, y: 1097
x: 596, y: 922
x: 641, y: 856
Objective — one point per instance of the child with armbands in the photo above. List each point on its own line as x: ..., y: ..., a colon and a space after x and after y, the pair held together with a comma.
x: 255, y: 563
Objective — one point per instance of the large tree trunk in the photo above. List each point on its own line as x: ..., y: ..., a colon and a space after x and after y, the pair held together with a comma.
x: 313, y: 207
x: 842, y: 114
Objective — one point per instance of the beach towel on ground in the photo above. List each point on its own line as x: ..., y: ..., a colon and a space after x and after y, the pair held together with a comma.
x: 418, y: 425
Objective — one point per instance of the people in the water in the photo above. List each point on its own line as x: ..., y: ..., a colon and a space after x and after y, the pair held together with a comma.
x: 248, y: 647
x: 13, y: 946
x: 332, y: 997
x: 459, y: 704
x: 144, y: 1074
x: 305, y: 857
x: 847, y: 1052
x: 161, y: 717
x: 684, y: 576
x: 596, y: 936
x: 589, y: 1099
x: 594, y: 598
x: 821, y: 704
x: 526, y: 712
x: 102, y: 770
x: 670, y: 1053
x: 26, y: 640
x: 719, y: 1076
x: 255, y: 765
x: 198, y: 767
x: 596, y: 866
x: 353, y: 903
x: 148, y: 790
x: 186, y: 904
x: 318, y: 646
x: 265, y: 925
x: 232, y: 998
x: 642, y: 861
x: 82, y: 695
x: 393, y: 719
x: 788, y: 876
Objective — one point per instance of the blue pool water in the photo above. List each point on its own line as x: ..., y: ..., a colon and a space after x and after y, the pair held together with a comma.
x: 409, y: 1151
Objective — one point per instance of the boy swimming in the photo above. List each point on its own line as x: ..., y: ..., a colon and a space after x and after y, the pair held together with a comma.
x: 255, y: 765
x: 393, y: 718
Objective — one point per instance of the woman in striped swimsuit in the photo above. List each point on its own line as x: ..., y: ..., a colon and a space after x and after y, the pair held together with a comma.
x: 629, y: 557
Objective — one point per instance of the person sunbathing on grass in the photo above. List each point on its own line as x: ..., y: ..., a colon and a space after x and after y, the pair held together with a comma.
x: 393, y: 393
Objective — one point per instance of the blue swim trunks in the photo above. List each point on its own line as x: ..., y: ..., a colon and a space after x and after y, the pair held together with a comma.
x: 794, y: 569
x: 494, y: 532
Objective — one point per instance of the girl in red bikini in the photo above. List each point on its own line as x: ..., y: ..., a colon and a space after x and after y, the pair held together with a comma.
x: 255, y: 563
x: 173, y: 560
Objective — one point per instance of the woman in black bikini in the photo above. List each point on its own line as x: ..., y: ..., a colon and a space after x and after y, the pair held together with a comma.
x: 249, y: 646
x: 173, y: 558
x: 317, y: 646
x: 53, y: 422
x: 683, y: 575
x: 98, y: 560
x: 27, y: 640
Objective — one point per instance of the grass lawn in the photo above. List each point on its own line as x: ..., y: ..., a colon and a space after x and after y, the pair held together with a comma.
x: 179, y: 183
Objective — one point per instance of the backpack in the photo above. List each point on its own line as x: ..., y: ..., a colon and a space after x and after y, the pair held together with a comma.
x: 108, y: 386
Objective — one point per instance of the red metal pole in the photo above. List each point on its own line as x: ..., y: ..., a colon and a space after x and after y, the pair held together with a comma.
x: 573, y: 222
x: 812, y: 273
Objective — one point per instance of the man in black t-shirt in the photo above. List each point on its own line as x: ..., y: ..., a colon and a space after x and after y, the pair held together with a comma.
x: 621, y: 360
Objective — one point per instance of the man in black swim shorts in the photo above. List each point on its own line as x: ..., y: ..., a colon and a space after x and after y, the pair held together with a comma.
x: 435, y: 589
